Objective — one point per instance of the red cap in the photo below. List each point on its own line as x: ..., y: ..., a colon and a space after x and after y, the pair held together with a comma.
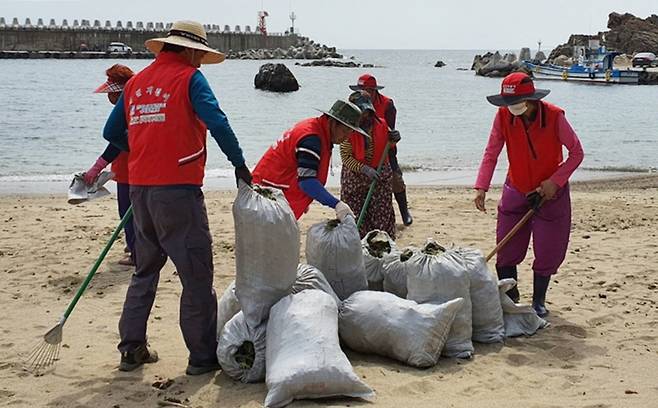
x: 366, y: 81
x: 517, y: 87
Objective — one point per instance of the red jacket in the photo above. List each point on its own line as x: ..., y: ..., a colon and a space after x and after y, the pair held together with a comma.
x: 278, y: 166
x: 167, y: 141
x: 534, y: 155
x: 379, y: 135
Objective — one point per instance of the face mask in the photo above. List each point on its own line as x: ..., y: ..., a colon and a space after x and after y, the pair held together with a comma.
x: 518, y: 109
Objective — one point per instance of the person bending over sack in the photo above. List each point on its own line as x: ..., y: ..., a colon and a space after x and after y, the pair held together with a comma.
x: 534, y: 133
x: 298, y: 163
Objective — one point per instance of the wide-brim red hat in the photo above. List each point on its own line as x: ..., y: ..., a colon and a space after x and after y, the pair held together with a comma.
x: 517, y: 87
x: 366, y: 81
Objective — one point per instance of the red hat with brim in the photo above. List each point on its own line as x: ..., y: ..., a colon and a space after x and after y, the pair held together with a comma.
x: 109, y: 87
x: 366, y: 81
x: 517, y: 87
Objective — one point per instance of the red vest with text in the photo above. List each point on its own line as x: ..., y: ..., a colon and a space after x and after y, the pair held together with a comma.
x: 379, y: 135
x: 278, y: 166
x: 120, y: 168
x: 167, y: 141
x: 534, y: 155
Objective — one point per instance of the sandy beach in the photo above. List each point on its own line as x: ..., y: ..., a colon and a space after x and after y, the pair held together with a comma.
x: 601, y: 349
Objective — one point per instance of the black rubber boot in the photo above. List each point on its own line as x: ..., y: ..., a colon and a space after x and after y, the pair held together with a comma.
x: 506, y: 272
x: 401, y: 198
x: 539, y: 288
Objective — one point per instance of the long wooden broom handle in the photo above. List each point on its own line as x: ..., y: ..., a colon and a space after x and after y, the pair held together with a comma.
x: 514, y: 230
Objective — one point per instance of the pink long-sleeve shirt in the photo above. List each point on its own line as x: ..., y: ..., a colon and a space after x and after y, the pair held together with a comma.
x: 566, y: 135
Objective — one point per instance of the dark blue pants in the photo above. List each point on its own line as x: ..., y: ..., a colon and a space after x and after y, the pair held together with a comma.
x: 172, y: 222
x: 123, y: 198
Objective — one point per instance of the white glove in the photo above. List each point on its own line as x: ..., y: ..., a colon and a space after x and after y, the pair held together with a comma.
x: 343, y: 210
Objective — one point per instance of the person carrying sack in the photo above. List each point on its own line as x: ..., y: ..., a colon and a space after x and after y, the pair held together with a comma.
x: 385, y: 108
x: 534, y: 133
x: 360, y: 158
x: 167, y: 109
x: 298, y: 163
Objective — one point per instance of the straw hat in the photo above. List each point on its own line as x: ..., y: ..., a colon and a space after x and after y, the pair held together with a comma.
x: 188, y: 34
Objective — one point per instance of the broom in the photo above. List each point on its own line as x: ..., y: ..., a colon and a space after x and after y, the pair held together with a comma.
x: 46, y: 352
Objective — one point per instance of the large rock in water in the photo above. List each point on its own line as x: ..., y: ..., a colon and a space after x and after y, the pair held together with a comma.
x: 276, y: 78
x: 628, y: 34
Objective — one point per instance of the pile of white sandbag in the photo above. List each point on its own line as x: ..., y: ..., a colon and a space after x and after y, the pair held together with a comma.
x: 278, y: 321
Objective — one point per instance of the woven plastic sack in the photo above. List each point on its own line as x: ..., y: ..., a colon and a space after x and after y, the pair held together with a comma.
x: 266, y: 250
x: 439, y: 276
x: 396, y: 271
x: 310, y: 277
x: 241, y: 350
x: 488, y: 324
x: 520, y: 319
x: 304, y: 359
x: 334, y: 247
x: 227, y: 307
x: 382, y: 323
x: 378, y: 250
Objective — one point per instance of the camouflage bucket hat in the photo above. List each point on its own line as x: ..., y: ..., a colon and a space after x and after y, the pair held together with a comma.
x: 346, y: 113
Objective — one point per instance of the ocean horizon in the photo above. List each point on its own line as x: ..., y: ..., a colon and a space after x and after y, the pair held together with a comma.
x: 52, y: 122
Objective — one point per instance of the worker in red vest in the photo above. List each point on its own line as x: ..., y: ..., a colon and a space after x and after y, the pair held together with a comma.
x: 361, y: 158
x: 385, y: 108
x: 298, y: 163
x: 167, y: 109
x: 534, y: 133
x: 117, y: 76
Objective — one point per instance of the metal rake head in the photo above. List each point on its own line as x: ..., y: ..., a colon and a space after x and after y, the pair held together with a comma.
x: 46, y: 352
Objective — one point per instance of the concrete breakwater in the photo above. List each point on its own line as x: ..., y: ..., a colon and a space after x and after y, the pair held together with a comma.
x: 83, y: 36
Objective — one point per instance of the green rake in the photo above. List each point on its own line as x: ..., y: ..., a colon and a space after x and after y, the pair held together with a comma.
x: 46, y: 352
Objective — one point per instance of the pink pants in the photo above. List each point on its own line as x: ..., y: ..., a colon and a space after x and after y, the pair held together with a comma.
x: 550, y: 228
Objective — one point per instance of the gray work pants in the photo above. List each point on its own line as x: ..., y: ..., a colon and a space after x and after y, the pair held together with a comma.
x: 172, y: 222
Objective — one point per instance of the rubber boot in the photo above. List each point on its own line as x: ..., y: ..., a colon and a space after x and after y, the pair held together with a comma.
x: 506, y: 272
x: 539, y: 288
x: 401, y: 198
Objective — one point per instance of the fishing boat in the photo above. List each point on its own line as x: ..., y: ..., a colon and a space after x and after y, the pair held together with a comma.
x: 594, y: 65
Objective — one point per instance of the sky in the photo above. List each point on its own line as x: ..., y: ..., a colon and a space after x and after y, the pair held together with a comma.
x: 365, y: 24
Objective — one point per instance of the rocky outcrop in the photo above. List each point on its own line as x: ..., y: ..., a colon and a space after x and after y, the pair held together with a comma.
x: 494, y: 65
x: 567, y: 49
x: 276, y: 78
x: 305, y: 50
x: 334, y: 62
x: 627, y: 34
x: 439, y: 64
x: 630, y: 34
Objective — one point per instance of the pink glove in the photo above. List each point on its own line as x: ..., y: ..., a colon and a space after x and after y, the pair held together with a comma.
x: 92, y: 173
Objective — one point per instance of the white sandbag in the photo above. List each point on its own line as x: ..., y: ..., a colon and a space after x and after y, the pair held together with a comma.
x: 378, y: 250
x: 519, y: 319
x: 334, y: 247
x: 439, y: 276
x: 488, y: 324
x: 227, y: 307
x: 304, y: 359
x: 382, y: 323
x: 266, y: 250
x: 396, y: 271
x: 241, y: 350
x: 310, y: 277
